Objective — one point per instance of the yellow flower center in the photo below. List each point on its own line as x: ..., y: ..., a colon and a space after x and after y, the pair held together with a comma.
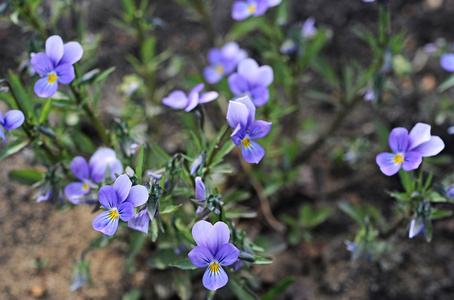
x: 85, y: 187
x: 219, y: 69
x: 113, y: 214
x: 246, y: 142
x: 214, y: 267
x: 252, y: 8
x: 52, y: 78
x: 398, y: 159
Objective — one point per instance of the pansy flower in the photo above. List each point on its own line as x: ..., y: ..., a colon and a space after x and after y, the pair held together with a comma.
x: 56, y: 65
x: 409, y: 149
x: 140, y: 221
x: 252, y: 80
x: 119, y: 201
x: 11, y: 120
x: 244, y: 9
x: 179, y: 100
x: 213, y: 251
x: 223, y: 61
x: 241, y: 117
x: 91, y: 173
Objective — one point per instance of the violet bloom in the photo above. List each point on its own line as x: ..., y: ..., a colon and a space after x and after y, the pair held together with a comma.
x: 223, y: 61
x: 200, y: 194
x: 179, y: 100
x: 252, y: 80
x: 447, y: 61
x: 213, y: 251
x: 244, y: 9
x: 91, y: 173
x: 308, y: 29
x: 11, y: 120
x: 119, y: 201
x: 409, y: 149
x: 56, y: 65
x: 140, y: 221
x: 241, y: 117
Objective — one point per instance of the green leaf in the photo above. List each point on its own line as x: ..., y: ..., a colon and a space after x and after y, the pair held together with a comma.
x: 239, y: 290
x: 170, y: 209
x: 278, y: 289
x: 134, y: 294
x: 353, y: 211
x: 26, y: 176
x: 184, y: 264
x: 20, y: 95
x: 139, y: 166
x: 449, y: 83
x: 261, y: 261
x: 14, y: 147
x: 407, y: 181
x: 439, y: 214
x: 148, y: 49
x: 45, y: 112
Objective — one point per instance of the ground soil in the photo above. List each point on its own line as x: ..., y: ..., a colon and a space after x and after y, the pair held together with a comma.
x: 33, y: 233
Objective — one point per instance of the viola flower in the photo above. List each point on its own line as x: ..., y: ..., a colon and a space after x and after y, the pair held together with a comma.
x: 252, y: 80
x: 119, y: 201
x: 91, y: 173
x: 11, y: 120
x: 140, y: 221
x: 56, y: 65
x: 447, y: 61
x: 200, y: 194
x: 409, y: 149
x: 308, y: 29
x: 223, y: 61
x: 179, y: 100
x: 244, y: 9
x: 213, y: 251
x: 241, y: 117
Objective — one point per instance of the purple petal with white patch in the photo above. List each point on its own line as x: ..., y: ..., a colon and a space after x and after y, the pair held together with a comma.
x: 238, y: 135
x: 420, y: 133
x: 44, y: 89
x: 99, y: 161
x: 208, y: 96
x: 214, y: 280
x: 430, y: 148
x: 240, y: 10
x: 416, y: 226
x: 138, y: 195
x: 386, y: 162
x: 75, y: 190
x: 246, y: 100
x: 176, y: 99
x: 237, y: 114
x: 72, y: 53
x: 122, y: 185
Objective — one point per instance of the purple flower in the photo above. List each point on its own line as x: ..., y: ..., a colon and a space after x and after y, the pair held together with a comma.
x: 200, y: 194
x: 308, y: 29
x: 91, y: 173
x: 213, y: 251
x: 416, y: 226
x: 447, y: 61
x: 252, y: 80
x: 56, y: 65
x: 179, y: 100
x: 241, y: 117
x: 12, y: 120
x: 409, y: 149
x: 244, y: 9
x: 119, y: 201
x: 140, y: 221
x: 223, y: 61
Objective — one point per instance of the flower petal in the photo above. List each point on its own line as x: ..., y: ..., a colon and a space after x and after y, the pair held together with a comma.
x: 412, y: 161
x: 111, y: 227
x: 65, y: 73
x: 211, y: 75
x: 260, y: 95
x: 44, y: 89
x: 227, y: 254
x: 272, y: 3
x: 386, y: 163
x: 79, y: 167
x: 434, y: 146
x: 238, y: 84
x: 248, y: 67
x: 253, y: 153
x: 2, y: 134
x: 54, y: 49
x: 237, y: 113
x: 138, y: 195
x: 13, y: 119
x: 122, y: 185
x: 398, y: 140
x: 214, y: 56
x: 126, y: 211
x: 108, y: 197
x: 200, y: 257
x: 101, y: 221
x: 214, y: 281
x: 419, y: 134
x: 218, y: 235
x: 238, y: 135
x: 140, y: 221
x: 74, y: 191
x: 72, y: 53
x: 416, y: 226
x: 176, y: 99
x: 99, y: 161
x: 246, y: 100
x: 199, y: 189
x: 240, y: 10
x: 447, y: 62
x: 259, y: 129
x: 200, y: 232
x: 208, y: 96
x: 42, y: 64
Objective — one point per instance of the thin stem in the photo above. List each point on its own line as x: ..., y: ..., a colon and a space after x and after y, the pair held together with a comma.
x: 216, y: 148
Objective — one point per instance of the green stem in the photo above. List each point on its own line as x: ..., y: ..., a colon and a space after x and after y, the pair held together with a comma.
x: 216, y: 148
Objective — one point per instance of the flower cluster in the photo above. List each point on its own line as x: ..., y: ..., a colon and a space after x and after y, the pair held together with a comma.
x: 244, y: 9
x: 409, y: 149
x: 56, y: 65
x: 179, y: 100
x: 213, y: 251
x: 241, y: 117
x: 223, y: 61
x: 252, y: 80
x: 91, y: 173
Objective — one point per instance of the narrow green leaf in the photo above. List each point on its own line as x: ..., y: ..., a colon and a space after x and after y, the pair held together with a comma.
x: 449, y: 83
x: 170, y: 209
x: 278, y: 289
x: 14, y: 147
x: 20, y: 94
x: 352, y: 210
x: 261, y: 261
x: 239, y: 290
x: 45, y: 112
x: 139, y: 166
x: 184, y: 264
x: 25, y: 176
